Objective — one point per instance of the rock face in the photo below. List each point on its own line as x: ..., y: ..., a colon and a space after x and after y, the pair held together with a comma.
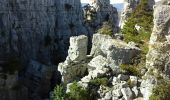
x: 78, y: 48
x: 99, y: 11
x: 10, y: 89
x: 147, y: 87
x: 38, y: 30
x: 35, y: 29
x: 38, y: 80
x: 158, y: 55
x: 75, y: 64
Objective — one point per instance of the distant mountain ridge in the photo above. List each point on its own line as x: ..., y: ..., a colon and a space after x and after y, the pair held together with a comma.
x: 119, y: 6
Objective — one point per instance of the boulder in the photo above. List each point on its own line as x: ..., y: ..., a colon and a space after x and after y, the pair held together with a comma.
x: 123, y: 77
x: 78, y: 48
x: 108, y: 95
x: 98, y: 62
x: 127, y: 93
x: 147, y: 86
x: 133, y: 80
x: 113, y: 49
x: 135, y: 91
x: 117, y: 93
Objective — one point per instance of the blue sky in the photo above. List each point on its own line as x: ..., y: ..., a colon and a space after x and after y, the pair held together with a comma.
x: 112, y: 1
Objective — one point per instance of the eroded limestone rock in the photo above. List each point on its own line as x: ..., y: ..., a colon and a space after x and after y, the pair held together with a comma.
x: 76, y: 63
x: 113, y: 49
x: 78, y: 48
x: 158, y: 55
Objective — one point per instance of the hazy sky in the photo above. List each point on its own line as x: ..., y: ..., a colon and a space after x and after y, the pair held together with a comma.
x: 112, y: 1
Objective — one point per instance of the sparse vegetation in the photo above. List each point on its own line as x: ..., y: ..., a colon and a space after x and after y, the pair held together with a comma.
x: 77, y: 93
x: 130, y: 83
x: 132, y: 69
x: 161, y: 91
x: 58, y: 92
x: 99, y: 81
x: 106, y: 29
x: 142, y: 17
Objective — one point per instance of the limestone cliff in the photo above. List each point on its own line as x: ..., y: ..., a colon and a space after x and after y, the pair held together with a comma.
x: 158, y: 55
x: 35, y: 29
x: 37, y: 33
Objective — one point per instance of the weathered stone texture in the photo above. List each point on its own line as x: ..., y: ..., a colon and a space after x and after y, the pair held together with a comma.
x: 158, y: 55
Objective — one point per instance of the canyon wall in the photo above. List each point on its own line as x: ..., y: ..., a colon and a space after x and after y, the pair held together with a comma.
x: 36, y: 29
x: 36, y: 33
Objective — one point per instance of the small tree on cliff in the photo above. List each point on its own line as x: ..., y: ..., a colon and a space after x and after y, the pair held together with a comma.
x: 142, y: 17
x: 106, y: 29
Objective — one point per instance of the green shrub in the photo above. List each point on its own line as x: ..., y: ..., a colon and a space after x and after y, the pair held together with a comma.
x: 141, y: 17
x: 77, y: 93
x: 99, y: 81
x: 161, y: 91
x: 58, y: 92
x: 132, y: 69
x: 106, y: 29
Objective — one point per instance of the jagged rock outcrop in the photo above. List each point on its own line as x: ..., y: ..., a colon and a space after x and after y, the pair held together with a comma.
x: 106, y: 55
x: 158, y: 56
x: 75, y: 64
x: 105, y: 52
x: 99, y: 11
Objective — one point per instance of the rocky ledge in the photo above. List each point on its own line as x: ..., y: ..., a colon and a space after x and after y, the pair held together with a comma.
x: 106, y: 57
